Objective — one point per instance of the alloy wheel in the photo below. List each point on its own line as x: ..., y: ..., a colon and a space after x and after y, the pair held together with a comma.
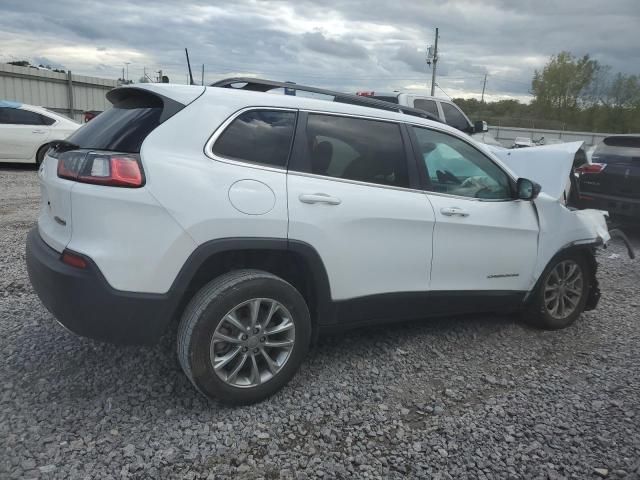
x: 252, y: 343
x: 563, y: 289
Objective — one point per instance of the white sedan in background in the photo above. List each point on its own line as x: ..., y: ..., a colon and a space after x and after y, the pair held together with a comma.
x: 26, y: 131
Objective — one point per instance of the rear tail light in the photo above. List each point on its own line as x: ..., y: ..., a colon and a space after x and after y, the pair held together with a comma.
x: 102, y: 168
x: 591, y: 168
x: 365, y: 94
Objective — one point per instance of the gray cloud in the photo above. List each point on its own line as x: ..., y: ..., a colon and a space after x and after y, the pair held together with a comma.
x: 337, y: 47
x: 344, y: 44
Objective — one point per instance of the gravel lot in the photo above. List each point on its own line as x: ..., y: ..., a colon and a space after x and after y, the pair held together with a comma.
x: 476, y: 397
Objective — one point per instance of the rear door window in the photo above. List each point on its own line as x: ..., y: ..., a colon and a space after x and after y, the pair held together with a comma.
x: 428, y: 106
x: 258, y: 136
x: 357, y: 149
x: 454, y: 117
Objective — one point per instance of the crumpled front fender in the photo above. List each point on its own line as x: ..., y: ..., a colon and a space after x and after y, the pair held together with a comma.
x: 561, y: 227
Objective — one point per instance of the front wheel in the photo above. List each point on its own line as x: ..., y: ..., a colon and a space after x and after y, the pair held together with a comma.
x: 243, y: 336
x: 561, y: 294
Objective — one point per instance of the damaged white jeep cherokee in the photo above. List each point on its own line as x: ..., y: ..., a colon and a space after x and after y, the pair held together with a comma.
x: 259, y: 220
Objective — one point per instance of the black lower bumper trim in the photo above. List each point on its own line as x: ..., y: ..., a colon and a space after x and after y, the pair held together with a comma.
x: 84, y: 302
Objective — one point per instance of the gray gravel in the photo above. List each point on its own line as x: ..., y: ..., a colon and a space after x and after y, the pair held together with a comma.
x: 476, y: 397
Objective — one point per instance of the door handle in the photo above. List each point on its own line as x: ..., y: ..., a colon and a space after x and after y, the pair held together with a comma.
x: 38, y: 131
x: 319, y: 198
x: 453, y: 212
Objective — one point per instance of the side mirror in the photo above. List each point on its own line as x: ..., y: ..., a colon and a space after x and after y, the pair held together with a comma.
x: 480, y: 126
x: 527, y: 189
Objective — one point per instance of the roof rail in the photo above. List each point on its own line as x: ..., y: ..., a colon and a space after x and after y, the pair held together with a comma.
x: 260, y: 85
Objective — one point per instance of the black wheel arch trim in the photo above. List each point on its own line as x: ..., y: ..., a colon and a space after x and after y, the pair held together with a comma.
x: 588, y: 249
x: 207, y: 250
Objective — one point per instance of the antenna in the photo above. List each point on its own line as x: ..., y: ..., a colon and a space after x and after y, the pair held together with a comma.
x: 191, y: 82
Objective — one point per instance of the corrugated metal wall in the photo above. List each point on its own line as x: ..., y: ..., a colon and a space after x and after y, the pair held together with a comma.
x: 51, y: 90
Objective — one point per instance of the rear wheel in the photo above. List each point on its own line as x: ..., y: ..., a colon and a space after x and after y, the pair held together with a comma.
x: 561, y: 293
x: 243, y: 336
x: 42, y: 151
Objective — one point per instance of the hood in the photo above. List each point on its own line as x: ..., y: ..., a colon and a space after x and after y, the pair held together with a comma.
x: 548, y: 165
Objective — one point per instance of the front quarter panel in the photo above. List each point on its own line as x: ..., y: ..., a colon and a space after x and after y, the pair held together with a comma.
x: 561, y: 228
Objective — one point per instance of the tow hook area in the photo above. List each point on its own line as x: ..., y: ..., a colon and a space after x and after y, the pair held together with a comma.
x: 617, y: 233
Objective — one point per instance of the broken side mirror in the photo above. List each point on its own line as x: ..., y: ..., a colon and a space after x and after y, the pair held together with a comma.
x: 527, y: 189
x: 480, y: 126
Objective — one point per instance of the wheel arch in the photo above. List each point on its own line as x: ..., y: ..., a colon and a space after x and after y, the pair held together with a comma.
x: 42, y: 148
x: 296, y: 262
x: 588, y: 252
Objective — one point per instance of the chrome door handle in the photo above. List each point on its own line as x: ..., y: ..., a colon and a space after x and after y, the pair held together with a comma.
x: 319, y: 198
x: 453, y: 212
x: 38, y: 131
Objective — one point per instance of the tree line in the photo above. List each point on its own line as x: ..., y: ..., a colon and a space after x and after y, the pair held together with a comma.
x: 569, y: 93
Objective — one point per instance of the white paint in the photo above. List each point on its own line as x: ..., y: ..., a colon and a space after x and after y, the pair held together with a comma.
x: 376, y: 240
x: 548, y: 165
x: 495, y: 238
x: 371, y: 239
x: 252, y: 197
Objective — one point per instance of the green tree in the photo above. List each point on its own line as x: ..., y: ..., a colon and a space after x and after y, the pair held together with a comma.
x: 561, y: 84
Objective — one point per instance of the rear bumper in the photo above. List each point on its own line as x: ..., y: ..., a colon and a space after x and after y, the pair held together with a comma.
x: 629, y: 207
x: 83, y: 301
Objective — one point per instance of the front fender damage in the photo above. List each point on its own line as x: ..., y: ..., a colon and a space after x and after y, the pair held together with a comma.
x: 562, y: 228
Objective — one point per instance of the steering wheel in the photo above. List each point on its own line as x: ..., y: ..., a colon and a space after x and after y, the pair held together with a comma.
x: 447, y: 177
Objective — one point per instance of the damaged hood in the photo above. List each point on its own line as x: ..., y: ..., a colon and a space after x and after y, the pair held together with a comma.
x: 548, y: 165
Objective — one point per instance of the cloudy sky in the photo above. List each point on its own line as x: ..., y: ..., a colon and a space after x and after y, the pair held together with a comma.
x: 341, y: 44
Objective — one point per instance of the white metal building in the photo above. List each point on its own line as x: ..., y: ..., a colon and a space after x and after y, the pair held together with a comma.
x: 65, y: 93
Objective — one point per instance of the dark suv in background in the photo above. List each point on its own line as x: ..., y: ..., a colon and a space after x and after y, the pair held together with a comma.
x: 612, y: 180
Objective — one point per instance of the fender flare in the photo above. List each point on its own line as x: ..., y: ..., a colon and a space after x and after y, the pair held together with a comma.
x: 321, y: 287
x: 587, y: 248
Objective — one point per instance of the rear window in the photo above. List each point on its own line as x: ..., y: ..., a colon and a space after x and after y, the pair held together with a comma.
x: 428, y: 106
x: 124, y: 127
x: 631, y: 142
x: 386, y: 98
x: 617, y: 150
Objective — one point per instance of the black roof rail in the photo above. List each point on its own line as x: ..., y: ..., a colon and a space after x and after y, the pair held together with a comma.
x: 260, y: 85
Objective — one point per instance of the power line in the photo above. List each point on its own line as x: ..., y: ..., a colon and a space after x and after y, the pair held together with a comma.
x: 443, y: 92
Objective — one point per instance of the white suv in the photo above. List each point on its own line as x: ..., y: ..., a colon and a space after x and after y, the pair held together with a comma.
x: 259, y: 220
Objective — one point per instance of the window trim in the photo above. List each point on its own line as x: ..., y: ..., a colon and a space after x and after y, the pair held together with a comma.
x: 208, y: 147
x: 299, y: 159
x: 424, y: 174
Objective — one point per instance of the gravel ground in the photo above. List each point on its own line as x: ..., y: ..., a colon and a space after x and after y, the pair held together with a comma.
x: 476, y: 397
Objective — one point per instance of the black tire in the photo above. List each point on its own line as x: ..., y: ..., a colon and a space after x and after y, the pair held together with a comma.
x: 537, y: 313
x: 42, y: 151
x: 206, y: 311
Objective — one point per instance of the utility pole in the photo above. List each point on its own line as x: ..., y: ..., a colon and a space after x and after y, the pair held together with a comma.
x: 202, y: 77
x: 435, y: 61
x: 484, y: 85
